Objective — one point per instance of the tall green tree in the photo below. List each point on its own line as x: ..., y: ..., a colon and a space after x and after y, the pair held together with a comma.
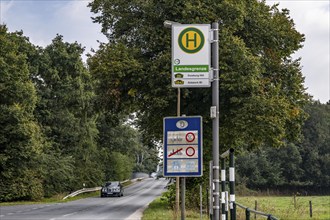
x: 21, y: 139
x: 261, y: 87
x: 112, y: 68
x: 65, y: 111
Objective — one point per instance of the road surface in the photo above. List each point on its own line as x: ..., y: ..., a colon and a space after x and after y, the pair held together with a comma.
x: 128, y: 207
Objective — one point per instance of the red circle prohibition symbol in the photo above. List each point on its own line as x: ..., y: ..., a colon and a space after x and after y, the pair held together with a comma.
x: 192, y: 153
x: 190, y: 137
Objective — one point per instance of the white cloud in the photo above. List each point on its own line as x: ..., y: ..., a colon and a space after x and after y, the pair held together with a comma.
x: 42, y: 20
x: 78, y: 25
x: 75, y: 11
x: 312, y: 19
x: 4, y: 8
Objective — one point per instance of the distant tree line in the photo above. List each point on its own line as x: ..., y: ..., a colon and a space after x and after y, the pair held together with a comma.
x: 301, y: 167
x: 55, y: 135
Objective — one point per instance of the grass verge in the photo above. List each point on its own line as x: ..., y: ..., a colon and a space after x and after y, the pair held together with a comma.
x: 285, y: 208
x: 159, y: 210
x: 54, y: 199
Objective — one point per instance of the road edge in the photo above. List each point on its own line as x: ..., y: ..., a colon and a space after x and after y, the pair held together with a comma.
x: 137, y: 215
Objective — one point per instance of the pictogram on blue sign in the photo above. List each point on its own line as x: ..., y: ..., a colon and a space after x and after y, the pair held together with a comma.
x: 183, y: 146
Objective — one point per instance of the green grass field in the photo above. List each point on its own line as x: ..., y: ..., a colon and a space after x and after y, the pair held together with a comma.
x: 285, y: 208
x: 158, y: 210
x: 288, y: 207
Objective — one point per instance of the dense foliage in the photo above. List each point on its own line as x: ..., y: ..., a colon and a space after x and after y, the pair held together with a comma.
x: 261, y: 90
x: 298, y: 167
x: 53, y: 136
x: 21, y: 141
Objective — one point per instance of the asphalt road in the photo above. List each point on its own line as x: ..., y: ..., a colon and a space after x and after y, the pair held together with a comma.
x: 129, y: 207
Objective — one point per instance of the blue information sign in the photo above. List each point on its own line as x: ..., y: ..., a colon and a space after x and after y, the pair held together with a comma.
x: 183, y: 146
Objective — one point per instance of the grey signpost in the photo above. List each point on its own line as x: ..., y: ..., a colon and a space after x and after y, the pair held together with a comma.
x: 215, y: 120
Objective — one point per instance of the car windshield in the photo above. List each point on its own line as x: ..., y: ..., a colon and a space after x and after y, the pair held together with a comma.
x: 112, y: 184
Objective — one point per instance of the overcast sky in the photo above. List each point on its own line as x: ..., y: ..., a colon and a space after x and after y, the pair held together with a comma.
x: 41, y: 20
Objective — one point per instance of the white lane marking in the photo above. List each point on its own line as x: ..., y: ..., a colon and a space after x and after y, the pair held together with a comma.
x: 69, y: 214
x: 63, y: 216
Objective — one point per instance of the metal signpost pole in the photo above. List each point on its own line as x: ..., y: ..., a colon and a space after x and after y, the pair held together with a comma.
x: 183, y: 198
x: 177, y: 179
x: 215, y: 120
x: 183, y: 195
x: 211, y: 189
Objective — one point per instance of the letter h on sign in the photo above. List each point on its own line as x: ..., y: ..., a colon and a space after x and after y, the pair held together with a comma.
x: 194, y: 39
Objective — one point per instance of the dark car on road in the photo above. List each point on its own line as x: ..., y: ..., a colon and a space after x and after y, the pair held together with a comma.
x: 112, y: 189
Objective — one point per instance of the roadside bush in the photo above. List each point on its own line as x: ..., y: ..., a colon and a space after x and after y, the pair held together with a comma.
x: 121, y: 166
x: 26, y: 186
x: 169, y: 195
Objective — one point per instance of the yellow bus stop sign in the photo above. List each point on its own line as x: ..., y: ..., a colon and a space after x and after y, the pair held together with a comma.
x: 191, y: 40
x: 191, y: 55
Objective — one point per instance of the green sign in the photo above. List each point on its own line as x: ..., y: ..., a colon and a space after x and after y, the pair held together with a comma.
x: 191, y: 68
